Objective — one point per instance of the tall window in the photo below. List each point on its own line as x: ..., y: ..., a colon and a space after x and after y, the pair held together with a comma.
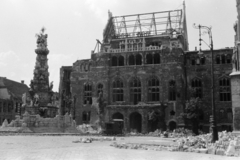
x: 9, y: 107
x: 131, y: 59
x: 0, y: 107
x: 86, y: 115
x: 87, y: 94
x: 120, y: 61
x: 4, y: 107
x: 114, y: 61
x: 156, y: 58
x: 153, y: 89
x: 138, y: 59
x: 135, y: 90
x: 149, y: 58
x: 100, y: 88
x: 197, y: 88
x: 117, y: 90
x: 224, y: 89
x: 172, y: 90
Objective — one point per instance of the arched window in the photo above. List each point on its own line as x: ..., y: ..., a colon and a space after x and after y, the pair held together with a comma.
x: 99, y: 88
x: 87, y: 94
x: 114, y: 61
x: 85, y: 67
x: 217, y: 59
x: 131, y: 59
x: 156, y: 58
x: 117, y: 90
x: 197, y: 88
x: 149, y: 58
x: 153, y: 89
x: 224, y: 89
x: 138, y: 59
x: 135, y: 90
x: 223, y: 59
x: 229, y: 58
x: 86, y: 115
x: 120, y: 61
x: 172, y: 90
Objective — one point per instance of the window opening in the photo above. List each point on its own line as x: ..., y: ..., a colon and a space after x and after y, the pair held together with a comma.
x: 197, y: 88
x: 172, y: 90
x: 87, y: 94
x: 224, y: 89
x: 135, y: 91
x: 117, y: 90
x: 153, y: 90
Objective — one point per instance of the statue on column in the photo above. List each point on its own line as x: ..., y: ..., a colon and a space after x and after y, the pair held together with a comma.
x: 234, y: 59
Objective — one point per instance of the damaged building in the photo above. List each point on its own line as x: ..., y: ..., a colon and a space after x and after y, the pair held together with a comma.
x: 145, y: 72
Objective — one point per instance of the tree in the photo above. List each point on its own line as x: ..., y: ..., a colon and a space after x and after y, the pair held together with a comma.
x: 192, y: 113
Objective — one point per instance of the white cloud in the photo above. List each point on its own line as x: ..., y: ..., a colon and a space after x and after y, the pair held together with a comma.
x: 77, y: 13
x: 7, y: 57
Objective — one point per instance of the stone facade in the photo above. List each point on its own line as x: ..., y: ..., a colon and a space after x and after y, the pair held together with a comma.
x: 146, y: 78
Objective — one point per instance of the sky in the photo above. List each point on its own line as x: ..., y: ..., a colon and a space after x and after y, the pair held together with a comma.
x: 74, y: 25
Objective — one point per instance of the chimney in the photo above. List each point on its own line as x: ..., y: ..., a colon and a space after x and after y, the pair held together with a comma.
x: 195, y: 48
x: 22, y: 81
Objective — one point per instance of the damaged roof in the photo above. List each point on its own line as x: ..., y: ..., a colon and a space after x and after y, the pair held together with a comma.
x: 11, y: 89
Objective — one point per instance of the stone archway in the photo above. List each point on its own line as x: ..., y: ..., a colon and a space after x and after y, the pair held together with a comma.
x: 136, y: 122
x: 117, y: 115
x: 172, y: 125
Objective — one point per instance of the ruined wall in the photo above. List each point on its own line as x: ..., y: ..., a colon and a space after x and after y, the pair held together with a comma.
x: 203, y: 72
x: 99, y: 70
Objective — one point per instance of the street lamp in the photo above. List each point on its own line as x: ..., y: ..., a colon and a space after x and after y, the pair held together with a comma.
x: 213, y: 118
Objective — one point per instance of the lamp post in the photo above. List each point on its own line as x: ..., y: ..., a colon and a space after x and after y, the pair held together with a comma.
x: 213, y: 118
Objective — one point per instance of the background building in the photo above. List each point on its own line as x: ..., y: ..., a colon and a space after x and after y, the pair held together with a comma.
x: 11, y: 98
x: 146, y: 74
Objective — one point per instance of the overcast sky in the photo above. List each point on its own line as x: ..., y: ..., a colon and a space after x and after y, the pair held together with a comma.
x: 74, y: 25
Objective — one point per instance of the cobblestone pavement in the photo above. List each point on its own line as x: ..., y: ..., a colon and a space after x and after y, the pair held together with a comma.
x: 62, y: 148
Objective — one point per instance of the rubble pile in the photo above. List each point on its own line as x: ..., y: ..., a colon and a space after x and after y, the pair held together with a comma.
x: 179, y: 132
x: 138, y: 146
x: 228, y: 144
x: 91, y: 139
